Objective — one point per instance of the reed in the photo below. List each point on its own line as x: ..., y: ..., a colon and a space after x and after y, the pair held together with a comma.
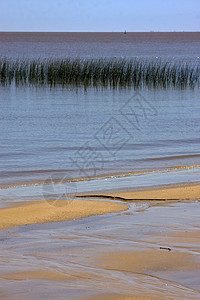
x: 113, y: 72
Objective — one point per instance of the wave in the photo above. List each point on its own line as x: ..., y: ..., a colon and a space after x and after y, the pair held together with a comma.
x: 171, y: 157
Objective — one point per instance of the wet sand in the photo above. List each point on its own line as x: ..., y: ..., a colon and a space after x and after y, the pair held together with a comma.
x: 123, y: 255
x: 149, y: 261
x: 121, y: 297
x: 115, y: 256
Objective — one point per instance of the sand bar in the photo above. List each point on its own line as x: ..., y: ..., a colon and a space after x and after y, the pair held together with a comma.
x: 35, y: 212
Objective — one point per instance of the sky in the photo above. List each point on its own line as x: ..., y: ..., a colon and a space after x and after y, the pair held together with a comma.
x: 99, y: 15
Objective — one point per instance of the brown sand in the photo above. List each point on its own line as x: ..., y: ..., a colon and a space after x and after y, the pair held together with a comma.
x: 35, y: 212
x: 120, y: 297
x: 153, y: 273
x: 149, y: 261
x: 181, y: 192
x: 36, y: 274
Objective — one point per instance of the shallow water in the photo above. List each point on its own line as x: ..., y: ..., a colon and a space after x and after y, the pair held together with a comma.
x: 66, y: 133
x: 70, y: 189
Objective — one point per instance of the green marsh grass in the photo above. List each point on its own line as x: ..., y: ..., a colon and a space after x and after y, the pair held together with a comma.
x: 112, y: 72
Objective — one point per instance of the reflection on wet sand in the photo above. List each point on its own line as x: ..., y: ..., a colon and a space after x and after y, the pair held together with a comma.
x: 114, y: 256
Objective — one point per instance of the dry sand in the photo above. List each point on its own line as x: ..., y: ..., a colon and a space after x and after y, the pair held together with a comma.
x: 35, y: 212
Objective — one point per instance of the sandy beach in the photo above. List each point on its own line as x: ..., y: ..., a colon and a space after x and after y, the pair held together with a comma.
x: 124, y: 255
x: 150, y: 246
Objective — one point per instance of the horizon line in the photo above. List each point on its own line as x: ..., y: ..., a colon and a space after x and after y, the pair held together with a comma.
x: 150, y: 31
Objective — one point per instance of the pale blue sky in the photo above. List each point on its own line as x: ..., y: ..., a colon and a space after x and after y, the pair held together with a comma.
x: 99, y: 15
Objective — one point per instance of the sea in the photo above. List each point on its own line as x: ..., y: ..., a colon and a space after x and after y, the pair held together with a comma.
x: 62, y: 134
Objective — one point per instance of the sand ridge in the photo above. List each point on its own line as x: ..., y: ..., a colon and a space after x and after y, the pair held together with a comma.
x: 35, y: 212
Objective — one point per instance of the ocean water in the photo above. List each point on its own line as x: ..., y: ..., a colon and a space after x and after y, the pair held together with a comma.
x: 176, y: 45
x: 55, y: 134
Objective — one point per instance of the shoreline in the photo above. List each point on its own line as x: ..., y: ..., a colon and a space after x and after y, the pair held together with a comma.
x: 36, y: 212
x: 107, y: 175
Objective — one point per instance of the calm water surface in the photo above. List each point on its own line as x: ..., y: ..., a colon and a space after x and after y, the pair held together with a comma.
x: 184, y: 45
x: 74, y: 132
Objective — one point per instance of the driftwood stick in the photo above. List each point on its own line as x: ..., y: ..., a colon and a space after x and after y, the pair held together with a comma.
x: 166, y: 248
